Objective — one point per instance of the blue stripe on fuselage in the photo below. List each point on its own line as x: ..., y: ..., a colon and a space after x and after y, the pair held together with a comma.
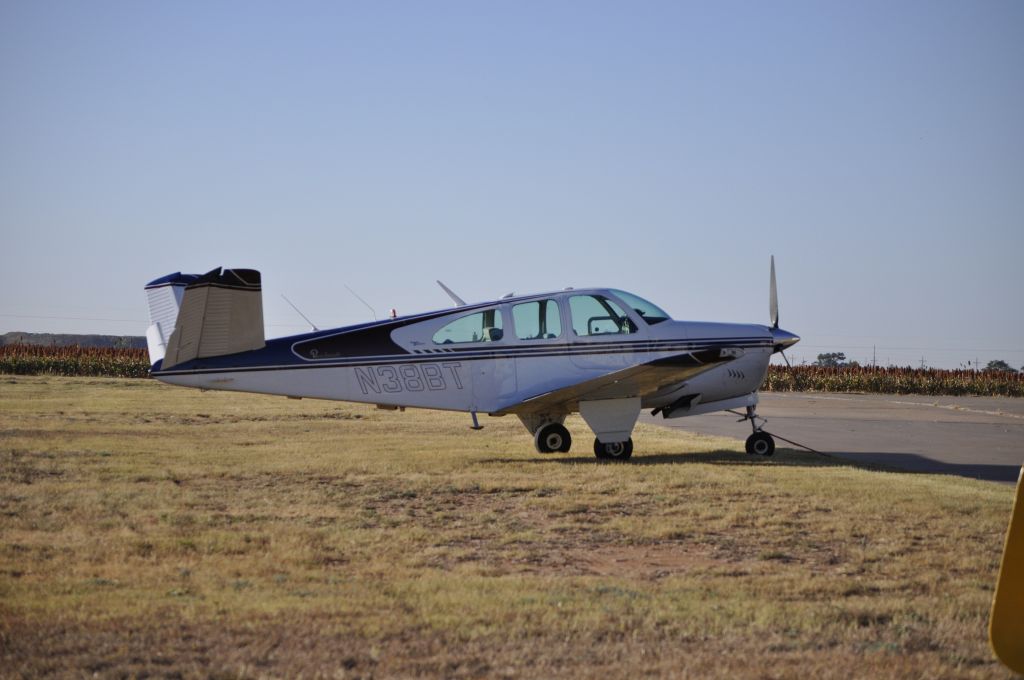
x: 277, y: 355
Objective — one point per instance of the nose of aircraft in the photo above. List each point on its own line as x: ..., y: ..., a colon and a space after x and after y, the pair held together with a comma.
x: 783, y: 339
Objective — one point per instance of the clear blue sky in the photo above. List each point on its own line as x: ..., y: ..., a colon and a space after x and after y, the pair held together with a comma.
x: 876, y: 148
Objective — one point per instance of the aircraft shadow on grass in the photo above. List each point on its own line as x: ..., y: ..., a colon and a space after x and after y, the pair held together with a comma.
x: 783, y: 458
x: 900, y: 463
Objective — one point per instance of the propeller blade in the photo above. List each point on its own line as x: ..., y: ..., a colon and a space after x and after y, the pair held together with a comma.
x: 785, y: 358
x: 773, y: 299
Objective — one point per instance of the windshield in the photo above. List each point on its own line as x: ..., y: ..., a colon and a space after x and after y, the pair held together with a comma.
x: 648, y: 311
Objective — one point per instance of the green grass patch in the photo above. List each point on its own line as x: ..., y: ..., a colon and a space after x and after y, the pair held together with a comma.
x: 147, y: 529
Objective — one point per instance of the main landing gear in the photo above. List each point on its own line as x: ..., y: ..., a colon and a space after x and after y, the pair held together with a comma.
x: 555, y: 437
x: 614, y: 450
x: 611, y: 421
x: 760, y: 443
x: 552, y: 437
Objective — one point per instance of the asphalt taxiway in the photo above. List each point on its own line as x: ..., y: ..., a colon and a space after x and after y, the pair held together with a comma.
x: 979, y: 437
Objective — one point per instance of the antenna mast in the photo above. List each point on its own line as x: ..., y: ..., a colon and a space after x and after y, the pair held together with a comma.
x: 356, y: 295
x: 299, y: 312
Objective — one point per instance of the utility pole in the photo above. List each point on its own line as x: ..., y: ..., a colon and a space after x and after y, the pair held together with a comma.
x: 874, y: 357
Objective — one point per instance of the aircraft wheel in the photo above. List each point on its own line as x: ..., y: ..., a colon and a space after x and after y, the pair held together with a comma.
x: 760, y: 444
x: 614, y: 450
x: 552, y: 437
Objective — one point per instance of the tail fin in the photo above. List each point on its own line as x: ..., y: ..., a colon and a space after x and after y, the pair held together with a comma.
x: 164, y: 296
x: 195, y: 316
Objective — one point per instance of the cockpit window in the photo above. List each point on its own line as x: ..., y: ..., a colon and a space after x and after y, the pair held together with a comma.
x: 480, y: 327
x: 597, y: 315
x: 537, y: 320
x: 648, y: 311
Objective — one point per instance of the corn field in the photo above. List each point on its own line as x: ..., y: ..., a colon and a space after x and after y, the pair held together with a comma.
x: 134, y: 363
x: 932, y: 381
x: 74, y: 360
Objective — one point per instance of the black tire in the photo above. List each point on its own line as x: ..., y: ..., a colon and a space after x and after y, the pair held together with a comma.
x: 760, y: 444
x: 552, y: 437
x: 614, y: 450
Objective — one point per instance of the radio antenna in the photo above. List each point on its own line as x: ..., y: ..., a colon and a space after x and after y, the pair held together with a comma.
x: 299, y: 312
x: 361, y: 300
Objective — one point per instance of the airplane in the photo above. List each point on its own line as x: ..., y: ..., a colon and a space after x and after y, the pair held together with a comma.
x: 602, y: 352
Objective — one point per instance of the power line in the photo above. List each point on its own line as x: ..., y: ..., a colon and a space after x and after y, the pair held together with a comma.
x: 141, y: 322
x: 911, y: 349
x: 873, y: 348
x: 67, y: 318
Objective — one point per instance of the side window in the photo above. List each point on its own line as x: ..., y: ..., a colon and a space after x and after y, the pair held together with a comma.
x: 597, y: 315
x: 479, y: 327
x: 537, y: 320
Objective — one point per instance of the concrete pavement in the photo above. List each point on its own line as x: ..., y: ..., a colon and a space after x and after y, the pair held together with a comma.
x: 979, y: 437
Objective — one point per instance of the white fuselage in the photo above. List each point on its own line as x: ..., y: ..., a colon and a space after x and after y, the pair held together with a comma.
x: 603, y: 353
x: 490, y: 376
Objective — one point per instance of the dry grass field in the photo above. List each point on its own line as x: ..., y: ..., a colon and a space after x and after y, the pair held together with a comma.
x: 147, y: 530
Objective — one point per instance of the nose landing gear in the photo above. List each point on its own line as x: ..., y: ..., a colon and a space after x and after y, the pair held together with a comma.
x: 760, y: 443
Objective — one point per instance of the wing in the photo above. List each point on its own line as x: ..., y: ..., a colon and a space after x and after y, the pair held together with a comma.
x: 634, y: 381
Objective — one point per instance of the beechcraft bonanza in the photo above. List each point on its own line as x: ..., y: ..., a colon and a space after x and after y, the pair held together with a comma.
x: 601, y: 352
